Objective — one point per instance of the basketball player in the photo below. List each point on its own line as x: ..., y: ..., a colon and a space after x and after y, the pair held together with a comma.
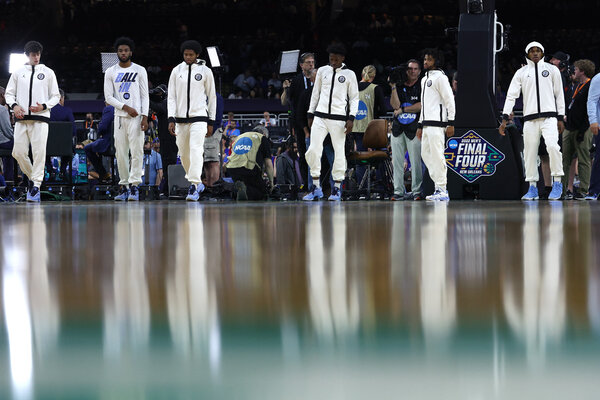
x: 543, y: 113
x: 126, y: 89
x: 192, y: 104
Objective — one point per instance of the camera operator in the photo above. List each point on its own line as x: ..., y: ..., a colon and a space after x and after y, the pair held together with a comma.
x: 406, y: 102
x: 168, y: 148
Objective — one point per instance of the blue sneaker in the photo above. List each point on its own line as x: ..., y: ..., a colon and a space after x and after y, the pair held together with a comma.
x: 33, y: 195
x: 315, y: 194
x: 123, y: 196
x: 134, y: 194
x: 193, y: 194
x: 556, y: 192
x: 201, y: 187
x: 591, y: 196
x: 438, y: 195
x: 532, y: 194
x: 336, y: 194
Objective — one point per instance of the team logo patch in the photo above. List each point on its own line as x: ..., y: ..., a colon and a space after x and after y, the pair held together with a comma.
x: 407, y: 118
x: 242, y: 145
x: 472, y: 157
x: 41, y: 77
x: 429, y: 83
x: 198, y: 77
x: 362, y: 110
x: 126, y: 96
x: 545, y: 73
x: 342, y: 79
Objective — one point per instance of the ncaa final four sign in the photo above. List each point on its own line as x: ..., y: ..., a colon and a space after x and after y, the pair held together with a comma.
x: 471, y: 156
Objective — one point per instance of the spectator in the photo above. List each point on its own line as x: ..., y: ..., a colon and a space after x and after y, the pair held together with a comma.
x: 237, y: 95
x: 102, y: 144
x: 274, y: 81
x: 267, y: 120
x: 212, y: 147
x: 152, y: 172
x: 245, y: 82
x: 593, y: 111
x: 6, y: 137
x: 288, y: 168
x: 231, y: 128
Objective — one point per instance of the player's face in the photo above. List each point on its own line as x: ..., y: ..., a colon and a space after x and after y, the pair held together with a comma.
x: 336, y: 60
x: 189, y: 56
x: 34, y: 58
x: 428, y: 62
x: 124, y: 53
x: 535, y: 54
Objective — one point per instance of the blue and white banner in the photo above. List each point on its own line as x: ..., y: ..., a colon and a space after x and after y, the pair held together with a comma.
x: 471, y: 156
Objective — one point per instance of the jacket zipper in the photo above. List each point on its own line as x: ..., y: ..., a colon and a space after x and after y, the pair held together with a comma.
x: 331, y: 92
x: 537, y: 88
x: 31, y: 89
x: 189, y: 82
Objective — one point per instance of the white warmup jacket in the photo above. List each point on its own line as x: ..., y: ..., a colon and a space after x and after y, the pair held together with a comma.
x: 192, y: 96
x: 32, y: 84
x: 437, y: 100
x: 335, y: 94
x: 127, y: 86
x: 543, y: 95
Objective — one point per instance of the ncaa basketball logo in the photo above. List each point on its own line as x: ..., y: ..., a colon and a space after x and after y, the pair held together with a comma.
x: 342, y: 79
x: 407, y: 118
x: 41, y: 77
x: 198, y: 77
x: 362, y: 110
x: 453, y: 144
x: 126, y: 96
x: 545, y: 73
x: 242, y: 145
x: 429, y: 83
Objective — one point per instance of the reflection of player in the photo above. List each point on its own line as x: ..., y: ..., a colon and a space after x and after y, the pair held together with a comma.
x: 126, y: 89
x: 543, y: 106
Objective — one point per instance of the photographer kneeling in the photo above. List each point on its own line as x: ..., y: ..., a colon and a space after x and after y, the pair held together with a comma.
x: 250, y: 152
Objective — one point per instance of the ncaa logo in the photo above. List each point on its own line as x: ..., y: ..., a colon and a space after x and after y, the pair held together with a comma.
x: 342, y: 79
x: 407, y: 118
x: 362, y: 110
x: 429, y: 83
x: 41, y: 76
x: 242, y: 145
x: 453, y: 144
x: 198, y: 77
x: 126, y: 96
x: 545, y: 73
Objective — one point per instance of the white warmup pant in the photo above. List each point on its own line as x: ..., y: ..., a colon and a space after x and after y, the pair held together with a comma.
x: 432, y: 153
x: 532, y: 131
x: 190, y: 141
x: 36, y: 134
x: 318, y: 132
x: 129, y: 137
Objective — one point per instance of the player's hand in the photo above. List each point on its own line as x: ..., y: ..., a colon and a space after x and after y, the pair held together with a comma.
x: 37, y: 108
x: 19, y: 112
x: 449, y: 131
x: 286, y: 84
x: 420, y: 133
x: 172, y: 128
x: 130, y: 110
x: 349, y: 126
x: 144, y: 123
x: 594, y: 128
x: 209, y: 130
x: 502, y: 128
x: 561, y: 127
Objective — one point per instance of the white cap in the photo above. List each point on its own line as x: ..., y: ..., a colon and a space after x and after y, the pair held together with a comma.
x: 534, y: 44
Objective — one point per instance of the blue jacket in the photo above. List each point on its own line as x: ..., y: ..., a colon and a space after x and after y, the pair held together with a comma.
x: 106, y: 122
x: 61, y: 113
x: 593, y: 103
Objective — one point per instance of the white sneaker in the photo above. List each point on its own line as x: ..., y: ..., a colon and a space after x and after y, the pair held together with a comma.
x: 438, y: 195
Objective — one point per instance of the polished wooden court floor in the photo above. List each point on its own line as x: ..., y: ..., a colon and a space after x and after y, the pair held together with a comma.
x: 358, y: 300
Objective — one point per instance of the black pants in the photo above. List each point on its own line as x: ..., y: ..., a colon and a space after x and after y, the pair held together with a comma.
x: 255, y: 186
x: 301, y: 142
x: 168, y: 155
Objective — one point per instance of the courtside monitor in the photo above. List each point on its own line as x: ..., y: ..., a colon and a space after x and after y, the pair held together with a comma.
x: 108, y: 60
x: 213, y: 56
x: 15, y: 61
x: 289, y: 62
